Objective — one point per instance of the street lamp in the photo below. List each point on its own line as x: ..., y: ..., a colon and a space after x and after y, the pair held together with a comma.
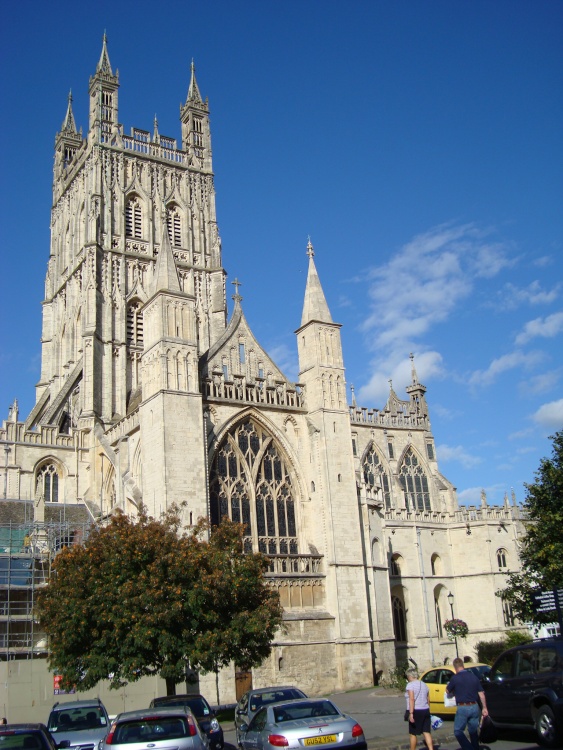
x: 451, y: 601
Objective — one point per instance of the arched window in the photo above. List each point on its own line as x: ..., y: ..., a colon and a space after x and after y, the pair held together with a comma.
x: 47, y: 483
x: 508, y: 614
x: 399, y: 619
x: 397, y: 564
x: 174, y: 224
x: 250, y: 482
x: 501, y: 558
x: 439, y: 628
x: 375, y: 555
x: 375, y: 475
x: 414, y: 483
x: 436, y: 565
x: 135, y: 324
x: 133, y: 218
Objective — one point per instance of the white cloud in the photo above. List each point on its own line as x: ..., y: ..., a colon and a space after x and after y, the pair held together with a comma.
x: 285, y: 358
x: 547, y: 327
x: 472, y: 495
x: 458, y: 454
x: 541, y: 383
x: 502, y: 364
x: 550, y: 415
x: 428, y: 365
x: 511, y: 296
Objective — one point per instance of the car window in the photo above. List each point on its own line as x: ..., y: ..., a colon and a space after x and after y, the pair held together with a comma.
x: 22, y: 740
x: 503, y: 668
x: 307, y: 710
x: 243, y: 702
x: 259, y: 721
x: 433, y: 676
x: 547, y: 660
x: 77, y: 719
x: 151, y: 730
x: 525, y: 662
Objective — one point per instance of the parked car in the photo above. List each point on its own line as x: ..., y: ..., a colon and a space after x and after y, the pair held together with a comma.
x: 308, y: 722
x: 78, y: 723
x: 203, y: 712
x: 438, y: 677
x: 158, y: 728
x: 253, y: 700
x: 525, y: 688
x: 26, y: 737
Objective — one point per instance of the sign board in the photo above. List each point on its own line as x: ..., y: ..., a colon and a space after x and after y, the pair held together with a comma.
x: 57, y: 689
x: 548, y: 601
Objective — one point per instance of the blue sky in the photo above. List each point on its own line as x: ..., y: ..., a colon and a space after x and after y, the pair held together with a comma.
x: 417, y: 143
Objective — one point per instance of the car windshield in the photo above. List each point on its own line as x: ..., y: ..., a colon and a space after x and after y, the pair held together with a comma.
x: 151, y: 729
x: 199, y: 706
x: 273, y: 696
x: 77, y: 719
x: 306, y: 710
x: 21, y: 740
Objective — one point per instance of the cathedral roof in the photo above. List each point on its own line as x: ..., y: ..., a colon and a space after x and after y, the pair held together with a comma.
x: 315, y: 306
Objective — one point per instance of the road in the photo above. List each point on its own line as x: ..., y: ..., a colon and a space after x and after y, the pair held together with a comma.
x: 380, y: 713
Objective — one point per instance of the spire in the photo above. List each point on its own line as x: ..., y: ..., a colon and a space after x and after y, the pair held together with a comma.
x: 69, y: 125
x: 165, y: 273
x: 104, y: 63
x: 314, y: 306
x: 354, y: 404
x: 155, y: 134
x: 413, y: 370
x: 193, y: 90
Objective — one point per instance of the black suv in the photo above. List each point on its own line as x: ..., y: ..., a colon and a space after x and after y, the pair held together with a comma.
x: 525, y: 688
x: 203, y: 712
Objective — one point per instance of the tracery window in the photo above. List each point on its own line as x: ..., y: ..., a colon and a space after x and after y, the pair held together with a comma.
x: 399, y: 619
x: 414, y: 483
x: 375, y: 475
x: 174, y: 223
x: 47, y: 484
x: 133, y: 218
x: 250, y: 482
x: 501, y: 558
x: 135, y: 324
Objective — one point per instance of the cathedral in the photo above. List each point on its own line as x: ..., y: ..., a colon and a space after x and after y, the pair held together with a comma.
x: 150, y: 394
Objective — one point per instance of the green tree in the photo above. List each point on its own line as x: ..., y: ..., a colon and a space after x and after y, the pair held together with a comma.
x: 542, y: 546
x: 141, y: 598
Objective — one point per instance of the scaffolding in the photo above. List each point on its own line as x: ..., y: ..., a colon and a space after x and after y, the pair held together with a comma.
x: 27, y: 551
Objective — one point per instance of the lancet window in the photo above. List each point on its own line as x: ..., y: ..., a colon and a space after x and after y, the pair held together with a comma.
x: 375, y: 476
x: 414, y: 483
x: 133, y: 218
x: 135, y: 325
x: 250, y: 482
x: 47, y: 484
x: 399, y: 619
x: 174, y: 223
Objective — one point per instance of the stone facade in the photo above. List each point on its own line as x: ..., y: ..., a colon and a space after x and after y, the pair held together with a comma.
x: 148, y: 394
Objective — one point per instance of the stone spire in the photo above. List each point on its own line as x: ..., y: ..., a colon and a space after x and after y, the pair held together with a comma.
x: 165, y: 273
x: 104, y: 65
x: 193, y: 90
x: 69, y: 125
x: 314, y: 306
x: 155, y: 133
x: 414, y: 376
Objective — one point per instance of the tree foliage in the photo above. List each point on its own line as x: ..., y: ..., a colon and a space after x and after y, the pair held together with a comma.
x: 141, y: 598
x: 542, y: 546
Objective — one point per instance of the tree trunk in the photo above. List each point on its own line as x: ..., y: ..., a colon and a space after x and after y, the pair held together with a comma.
x: 170, y: 686
x: 217, y: 685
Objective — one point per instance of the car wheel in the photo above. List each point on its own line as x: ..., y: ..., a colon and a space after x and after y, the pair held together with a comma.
x: 546, y: 728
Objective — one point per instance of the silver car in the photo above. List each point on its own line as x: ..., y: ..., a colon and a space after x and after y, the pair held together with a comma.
x: 172, y: 728
x: 300, y: 724
x: 78, y: 724
x: 253, y: 700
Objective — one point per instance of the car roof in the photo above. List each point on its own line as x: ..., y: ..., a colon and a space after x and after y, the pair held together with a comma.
x: 180, y: 697
x: 467, y: 665
x: 149, y: 712
x: 77, y: 704
x: 273, y: 689
x: 12, y: 727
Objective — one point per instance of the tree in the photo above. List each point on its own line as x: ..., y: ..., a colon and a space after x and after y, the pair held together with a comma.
x: 542, y: 546
x: 141, y: 598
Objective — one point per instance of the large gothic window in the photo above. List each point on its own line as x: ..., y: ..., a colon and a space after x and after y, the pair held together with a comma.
x: 414, y: 483
x: 375, y: 475
x: 133, y: 218
x: 250, y: 483
x: 47, y: 483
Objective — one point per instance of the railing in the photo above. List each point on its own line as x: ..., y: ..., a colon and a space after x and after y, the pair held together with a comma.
x: 363, y: 415
x: 462, y: 515
x: 153, y: 149
x: 295, y: 565
x: 124, y: 427
x: 280, y: 394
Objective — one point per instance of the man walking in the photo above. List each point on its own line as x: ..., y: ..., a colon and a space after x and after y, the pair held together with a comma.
x: 467, y: 689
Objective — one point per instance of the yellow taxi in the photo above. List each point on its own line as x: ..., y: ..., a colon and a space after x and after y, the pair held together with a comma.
x: 438, y: 677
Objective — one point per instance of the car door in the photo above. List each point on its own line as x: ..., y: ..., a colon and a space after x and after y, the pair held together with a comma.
x: 522, y: 684
x: 435, y: 690
x: 252, y: 738
x: 241, y: 712
x: 498, y: 688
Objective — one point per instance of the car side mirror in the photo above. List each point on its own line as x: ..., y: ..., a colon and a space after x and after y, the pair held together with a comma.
x: 243, y: 727
x: 63, y: 744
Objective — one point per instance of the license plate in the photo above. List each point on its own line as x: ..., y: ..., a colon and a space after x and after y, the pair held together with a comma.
x: 323, y: 739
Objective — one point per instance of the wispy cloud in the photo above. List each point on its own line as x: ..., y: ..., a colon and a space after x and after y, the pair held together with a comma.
x: 547, y: 327
x: 541, y: 383
x: 458, y: 454
x: 285, y: 357
x: 511, y: 296
x: 398, y: 370
x: 550, y: 415
x: 516, y: 359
